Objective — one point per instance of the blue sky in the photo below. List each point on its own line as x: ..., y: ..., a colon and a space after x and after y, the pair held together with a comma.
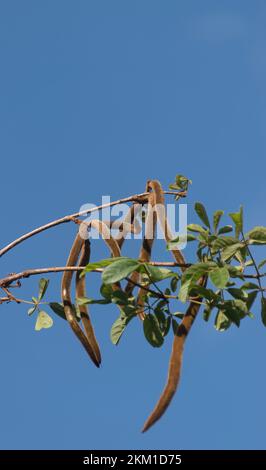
x: 96, y: 98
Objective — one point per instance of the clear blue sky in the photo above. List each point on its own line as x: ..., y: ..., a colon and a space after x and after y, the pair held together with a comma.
x: 97, y: 97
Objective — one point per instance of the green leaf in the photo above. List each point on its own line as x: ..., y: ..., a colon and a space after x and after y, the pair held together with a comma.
x: 164, y: 322
x: 257, y: 236
x: 175, y: 326
x: 240, y: 305
x: 238, y: 293
x: 203, y: 292
x: 223, y: 242
x: 43, y: 284
x: 251, y: 299
x: 249, y: 262
x: 196, y: 228
x: 173, y: 244
x: 201, y: 211
x: 225, y: 229
x: 191, y: 276
x: 59, y: 310
x: 222, y: 322
x: 181, y: 183
x: 152, y: 332
x: 119, y: 297
x: 250, y: 286
x: 216, y: 219
x: 102, y: 264
x: 87, y: 301
x: 230, y: 251
x: 263, y: 310
x: 207, y: 312
x: 161, y: 304
x: 235, y: 310
x: 106, y: 291
x: 173, y: 284
x: 32, y: 309
x: 43, y: 321
x: 157, y: 274
x: 204, y: 237
x: 119, y: 270
x: 178, y: 315
x: 219, y: 277
x: 191, y: 238
x: 262, y: 263
x: 167, y: 326
x: 235, y: 271
x: 237, y: 218
x: 118, y: 328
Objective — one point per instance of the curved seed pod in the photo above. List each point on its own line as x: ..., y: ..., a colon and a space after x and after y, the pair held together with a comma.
x: 112, y: 244
x: 161, y: 216
x: 125, y: 226
x: 175, y: 362
x: 66, y: 298
x: 67, y: 278
x: 81, y: 292
x: 129, y: 224
x: 145, y: 252
x: 105, y: 232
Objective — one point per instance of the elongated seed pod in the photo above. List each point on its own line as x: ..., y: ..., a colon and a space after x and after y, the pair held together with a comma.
x: 66, y: 298
x: 175, y: 362
x: 83, y: 309
x: 129, y: 224
x: 145, y: 254
x: 162, y: 219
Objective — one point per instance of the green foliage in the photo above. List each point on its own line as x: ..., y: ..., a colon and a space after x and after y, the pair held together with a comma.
x: 222, y: 322
x: 219, y: 277
x: 181, y: 183
x: 225, y: 229
x: 216, y: 219
x: 156, y: 274
x: 237, y: 218
x: 201, y: 211
x: 257, y: 236
x: 152, y: 330
x: 43, y: 321
x: 233, y: 280
x: 100, y: 264
x: 119, y: 269
x: 263, y: 310
x: 191, y: 276
x: 118, y: 327
x: 43, y: 285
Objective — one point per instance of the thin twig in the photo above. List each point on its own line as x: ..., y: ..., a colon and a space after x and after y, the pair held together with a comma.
x: 254, y: 276
x: 33, y: 272
x: 71, y: 218
x: 11, y: 297
x: 137, y: 284
x: 5, y: 281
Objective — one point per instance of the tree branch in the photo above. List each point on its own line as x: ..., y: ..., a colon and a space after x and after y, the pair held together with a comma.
x: 6, y: 281
x: 142, y: 198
